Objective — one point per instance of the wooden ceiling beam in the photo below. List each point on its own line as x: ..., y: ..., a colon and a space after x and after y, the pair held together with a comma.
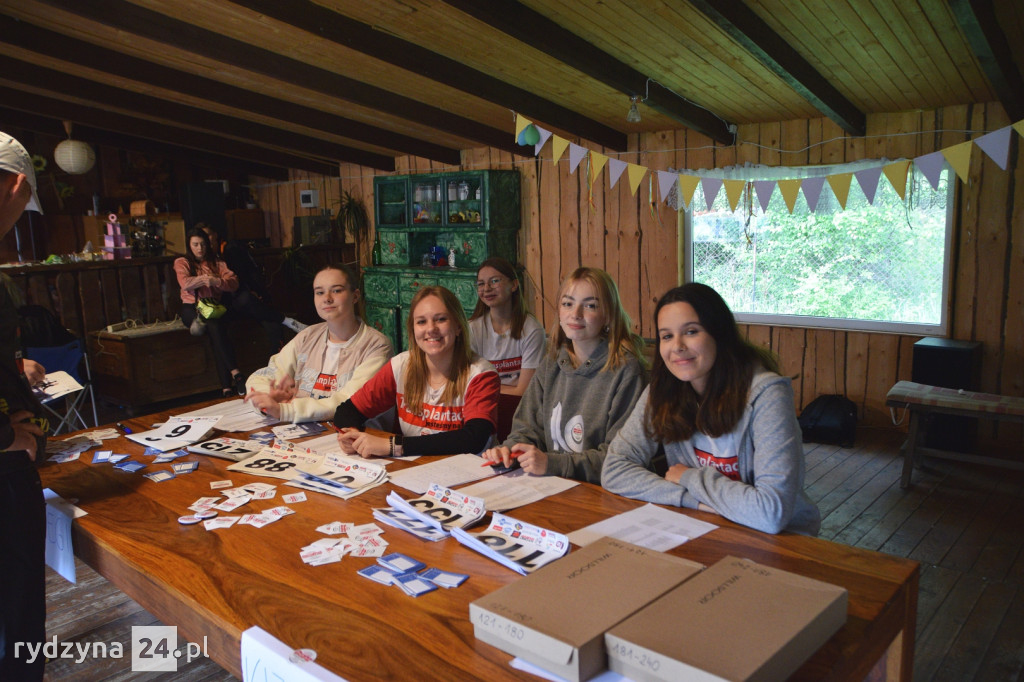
x: 94, y: 136
x: 356, y: 35
x: 135, y: 20
x: 65, y: 86
x: 192, y: 139
x: 755, y: 36
x: 981, y: 27
x: 536, y: 30
x: 42, y: 41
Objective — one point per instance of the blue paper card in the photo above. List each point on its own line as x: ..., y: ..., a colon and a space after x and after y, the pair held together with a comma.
x: 401, y: 563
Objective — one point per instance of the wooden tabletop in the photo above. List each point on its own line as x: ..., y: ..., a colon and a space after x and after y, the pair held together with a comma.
x: 216, y: 584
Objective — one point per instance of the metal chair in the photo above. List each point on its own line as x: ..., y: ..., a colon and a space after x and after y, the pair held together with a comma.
x: 73, y: 359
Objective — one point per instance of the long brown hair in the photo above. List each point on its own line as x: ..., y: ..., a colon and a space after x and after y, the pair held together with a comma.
x: 416, y: 374
x: 209, y: 257
x: 618, y: 327
x: 674, y: 410
x: 519, y: 311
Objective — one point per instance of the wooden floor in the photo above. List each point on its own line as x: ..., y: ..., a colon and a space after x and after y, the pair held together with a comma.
x: 965, y: 524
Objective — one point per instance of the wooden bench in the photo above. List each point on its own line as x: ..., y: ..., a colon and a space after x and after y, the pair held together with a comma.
x: 924, y: 402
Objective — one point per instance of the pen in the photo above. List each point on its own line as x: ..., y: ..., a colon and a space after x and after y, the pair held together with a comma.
x: 123, y: 428
x: 514, y: 455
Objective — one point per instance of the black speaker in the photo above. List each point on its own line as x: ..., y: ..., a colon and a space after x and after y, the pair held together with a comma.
x: 950, y: 364
x: 203, y: 202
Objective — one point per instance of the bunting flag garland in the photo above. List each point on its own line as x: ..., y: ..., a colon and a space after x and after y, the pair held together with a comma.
x: 710, y: 187
x: 789, y: 189
x: 930, y: 166
x: 868, y: 181
x: 840, y: 184
x: 576, y: 154
x: 959, y: 157
x: 687, y: 186
x: 896, y: 173
x: 733, y: 191
x: 765, y: 189
x: 665, y: 182
x: 812, y: 192
x: 995, y: 145
x: 636, y: 176
x: 615, y: 169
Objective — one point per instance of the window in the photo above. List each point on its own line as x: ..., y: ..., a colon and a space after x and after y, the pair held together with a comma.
x: 880, y: 267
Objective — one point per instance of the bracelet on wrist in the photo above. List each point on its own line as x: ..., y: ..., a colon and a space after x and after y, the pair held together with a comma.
x: 391, y: 446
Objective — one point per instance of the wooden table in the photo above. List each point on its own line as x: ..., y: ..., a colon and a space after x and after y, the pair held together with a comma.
x: 216, y: 584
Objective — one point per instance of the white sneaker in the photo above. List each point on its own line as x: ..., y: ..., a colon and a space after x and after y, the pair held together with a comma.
x: 293, y: 324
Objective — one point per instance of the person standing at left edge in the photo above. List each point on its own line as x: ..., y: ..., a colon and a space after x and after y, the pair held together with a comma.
x: 22, y: 446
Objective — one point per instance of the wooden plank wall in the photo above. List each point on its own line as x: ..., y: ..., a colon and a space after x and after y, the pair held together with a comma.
x: 565, y: 224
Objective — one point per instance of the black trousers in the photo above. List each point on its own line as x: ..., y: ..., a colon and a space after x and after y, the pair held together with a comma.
x: 223, y: 351
x: 22, y: 574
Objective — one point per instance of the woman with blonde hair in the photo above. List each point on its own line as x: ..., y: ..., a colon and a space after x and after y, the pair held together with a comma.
x: 585, y: 388
x: 446, y: 396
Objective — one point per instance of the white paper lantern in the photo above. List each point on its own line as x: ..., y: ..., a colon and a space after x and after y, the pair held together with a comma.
x: 74, y: 157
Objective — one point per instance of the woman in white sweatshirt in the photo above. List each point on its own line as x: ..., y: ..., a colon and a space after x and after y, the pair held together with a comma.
x: 325, y: 363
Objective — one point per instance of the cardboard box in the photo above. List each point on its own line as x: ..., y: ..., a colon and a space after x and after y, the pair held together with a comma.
x: 738, y: 620
x: 556, y: 617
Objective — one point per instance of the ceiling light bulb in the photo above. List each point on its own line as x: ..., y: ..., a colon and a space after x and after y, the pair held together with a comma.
x: 633, y: 116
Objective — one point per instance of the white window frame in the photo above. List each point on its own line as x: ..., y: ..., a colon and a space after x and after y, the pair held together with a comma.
x: 837, y: 323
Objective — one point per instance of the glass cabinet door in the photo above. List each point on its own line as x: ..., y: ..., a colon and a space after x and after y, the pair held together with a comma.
x: 392, y: 205
x: 427, y: 200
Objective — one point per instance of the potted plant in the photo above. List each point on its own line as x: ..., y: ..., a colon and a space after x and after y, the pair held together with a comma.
x: 353, y: 217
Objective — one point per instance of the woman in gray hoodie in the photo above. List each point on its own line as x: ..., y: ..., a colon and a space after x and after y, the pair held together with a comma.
x: 585, y: 387
x: 726, y: 420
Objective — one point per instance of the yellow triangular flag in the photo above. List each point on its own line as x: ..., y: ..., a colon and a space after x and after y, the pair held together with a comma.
x: 597, y: 162
x: 558, y: 147
x: 790, y: 189
x: 521, y: 122
x: 734, y: 190
x: 636, y: 174
x: 687, y: 186
x: 1019, y: 127
x: 896, y: 172
x: 959, y: 157
x: 840, y: 184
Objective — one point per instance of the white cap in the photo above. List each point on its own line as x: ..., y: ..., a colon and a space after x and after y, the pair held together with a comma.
x: 15, y: 159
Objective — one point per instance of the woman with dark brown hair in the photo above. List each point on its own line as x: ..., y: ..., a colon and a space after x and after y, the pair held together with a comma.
x: 725, y: 418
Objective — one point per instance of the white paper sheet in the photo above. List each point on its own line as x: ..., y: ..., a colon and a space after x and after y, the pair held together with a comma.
x: 516, y: 488
x: 648, y: 526
x: 449, y: 472
x: 235, y: 415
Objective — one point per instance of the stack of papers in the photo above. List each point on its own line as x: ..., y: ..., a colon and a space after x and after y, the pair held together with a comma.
x: 440, y: 507
x: 520, y: 546
x: 176, y: 432
x: 407, y: 522
x: 277, y: 461
x: 227, y: 448
x: 340, y: 475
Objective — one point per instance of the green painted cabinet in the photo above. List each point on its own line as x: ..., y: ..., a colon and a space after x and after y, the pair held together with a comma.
x: 476, y: 213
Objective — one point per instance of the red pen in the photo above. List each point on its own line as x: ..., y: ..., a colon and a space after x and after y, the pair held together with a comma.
x: 514, y: 455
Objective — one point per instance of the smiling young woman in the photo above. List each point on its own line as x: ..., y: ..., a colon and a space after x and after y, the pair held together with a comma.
x: 725, y: 418
x: 585, y: 387
x: 325, y: 363
x: 445, y: 395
